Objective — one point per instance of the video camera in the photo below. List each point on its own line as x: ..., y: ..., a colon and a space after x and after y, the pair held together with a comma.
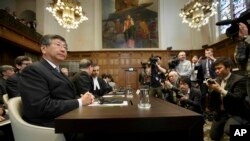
x: 233, y: 31
x: 173, y: 63
x: 153, y: 59
x: 144, y: 65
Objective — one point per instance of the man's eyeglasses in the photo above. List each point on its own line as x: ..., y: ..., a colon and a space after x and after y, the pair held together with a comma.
x: 60, y: 45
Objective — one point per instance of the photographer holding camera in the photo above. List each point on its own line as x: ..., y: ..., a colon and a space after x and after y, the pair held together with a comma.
x: 227, y: 99
x: 157, y: 76
x: 239, y: 32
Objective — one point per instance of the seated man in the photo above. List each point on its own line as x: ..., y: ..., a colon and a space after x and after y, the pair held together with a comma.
x: 12, y: 82
x: 6, y: 71
x: 82, y: 79
x: 100, y: 86
x: 46, y: 93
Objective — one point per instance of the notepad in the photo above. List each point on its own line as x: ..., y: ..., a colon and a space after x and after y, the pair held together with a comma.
x: 123, y: 103
x: 113, y: 96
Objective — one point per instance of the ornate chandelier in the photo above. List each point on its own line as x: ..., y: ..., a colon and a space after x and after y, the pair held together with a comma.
x: 196, y: 13
x: 68, y: 13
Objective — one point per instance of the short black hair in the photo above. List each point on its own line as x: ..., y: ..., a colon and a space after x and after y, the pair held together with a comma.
x: 227, y: 62
x: 4, y: 68
x: 46, y: 39
x: 186, y: 80
x: 19, y: 60
x: 158, y: 57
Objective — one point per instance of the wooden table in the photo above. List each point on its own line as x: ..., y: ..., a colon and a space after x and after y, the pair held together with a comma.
x: 163, y: 119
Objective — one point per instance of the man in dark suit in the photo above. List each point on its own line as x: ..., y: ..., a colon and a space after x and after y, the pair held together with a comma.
x: 6, y: 71
x: 189, y: 97
x: 46, y: 93
x: 12, y: 82
x: 82, y: 80
x: 205, y: 71
x: 227, y: 99
x: 101, y: 87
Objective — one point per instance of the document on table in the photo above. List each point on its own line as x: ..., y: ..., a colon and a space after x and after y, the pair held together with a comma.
x: 96, y: 103
x: 113, y: 96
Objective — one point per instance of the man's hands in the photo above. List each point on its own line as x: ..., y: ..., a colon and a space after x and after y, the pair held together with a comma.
x: 243, y: 30
x: 87, y: 98
x: 168, y: 84
x: 215, y: 87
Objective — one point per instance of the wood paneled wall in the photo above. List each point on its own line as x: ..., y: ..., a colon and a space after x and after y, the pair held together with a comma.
x: 224, y: 48
x: 125, y: 66
x: 13, y: 44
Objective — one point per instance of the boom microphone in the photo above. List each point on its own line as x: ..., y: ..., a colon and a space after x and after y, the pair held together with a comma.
x: 224, y: 22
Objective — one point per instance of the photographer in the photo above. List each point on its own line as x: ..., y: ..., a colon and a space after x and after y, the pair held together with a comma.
x: 189, y: 96
x: 171, y: 87
x: 157, y: 76
x: 244, y: 65
x: 227, y: 99
x: 205, y: 71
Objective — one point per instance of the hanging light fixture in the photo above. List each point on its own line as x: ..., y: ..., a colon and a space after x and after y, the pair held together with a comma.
x: 68, y: 13
x: 196, y: 13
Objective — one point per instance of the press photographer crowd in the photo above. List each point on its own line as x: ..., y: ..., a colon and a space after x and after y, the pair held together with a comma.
x: 207, y: 84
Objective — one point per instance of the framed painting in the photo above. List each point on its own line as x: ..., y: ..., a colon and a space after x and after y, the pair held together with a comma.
x: 129, y: 24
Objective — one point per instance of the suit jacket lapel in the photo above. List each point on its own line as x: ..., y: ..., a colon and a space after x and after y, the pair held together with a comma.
x: 56, y: 73
x: 230, y: 82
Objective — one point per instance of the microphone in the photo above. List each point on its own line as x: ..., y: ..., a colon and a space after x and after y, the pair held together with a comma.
x: 224, y: 22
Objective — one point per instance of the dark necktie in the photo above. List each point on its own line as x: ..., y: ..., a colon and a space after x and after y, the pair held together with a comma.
x: 57, y: 69
x: 208, y: 66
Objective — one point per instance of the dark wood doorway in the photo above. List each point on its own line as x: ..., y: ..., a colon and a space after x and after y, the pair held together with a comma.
x: 131, y: 78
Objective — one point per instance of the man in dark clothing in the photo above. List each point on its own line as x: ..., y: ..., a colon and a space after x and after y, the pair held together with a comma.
x: 46, y: 93
x: 227, y: 99
x: 12, y: 82
x: 82, y: 80
x: 101, y: 87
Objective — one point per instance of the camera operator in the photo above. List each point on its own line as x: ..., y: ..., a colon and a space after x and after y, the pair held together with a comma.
x: 244, y: 66
x: 144, y: 76
x: 239, y: 32
x: 157, y: 76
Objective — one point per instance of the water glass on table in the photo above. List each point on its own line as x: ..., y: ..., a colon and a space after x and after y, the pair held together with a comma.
x: 144, y: 102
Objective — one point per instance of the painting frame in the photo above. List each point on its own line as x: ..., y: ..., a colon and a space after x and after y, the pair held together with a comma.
x: 129, y: 24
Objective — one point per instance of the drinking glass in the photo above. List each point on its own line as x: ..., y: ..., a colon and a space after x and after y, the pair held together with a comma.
x: 129, y: 92
x: 144, y: 102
